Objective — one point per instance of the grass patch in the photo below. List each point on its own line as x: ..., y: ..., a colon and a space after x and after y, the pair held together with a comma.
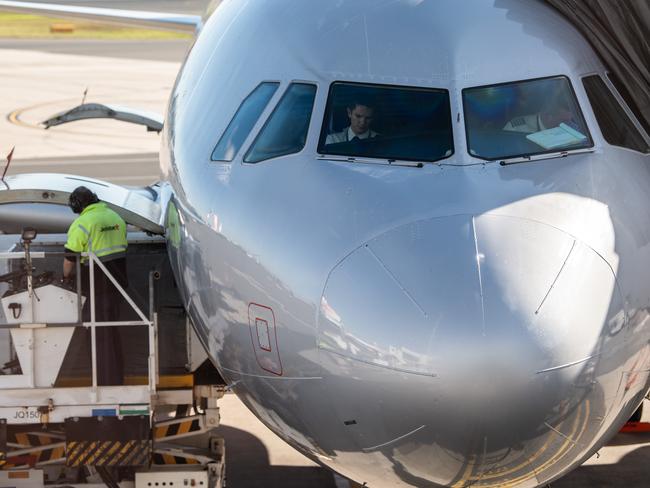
x: 23, y: 26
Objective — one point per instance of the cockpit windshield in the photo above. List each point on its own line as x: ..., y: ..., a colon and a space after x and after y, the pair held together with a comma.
x: 524, y: 118
x: 387, y: 122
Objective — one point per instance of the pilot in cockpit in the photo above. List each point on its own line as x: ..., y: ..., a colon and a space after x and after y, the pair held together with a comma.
x: 360, y: 113
x: 551, y: 115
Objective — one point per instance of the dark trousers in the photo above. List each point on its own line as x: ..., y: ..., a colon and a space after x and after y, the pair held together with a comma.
x: 108, y: 304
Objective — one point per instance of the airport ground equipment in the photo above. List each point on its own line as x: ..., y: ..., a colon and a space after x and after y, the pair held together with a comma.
x: 59, y: 426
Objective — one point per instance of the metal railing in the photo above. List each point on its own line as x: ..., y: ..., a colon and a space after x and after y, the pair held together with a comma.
x: 93, y: 262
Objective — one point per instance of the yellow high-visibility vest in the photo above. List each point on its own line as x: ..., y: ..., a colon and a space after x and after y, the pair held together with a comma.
x: 99, y: 230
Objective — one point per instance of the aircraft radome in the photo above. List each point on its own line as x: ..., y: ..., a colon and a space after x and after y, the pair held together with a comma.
x: 459, y: 297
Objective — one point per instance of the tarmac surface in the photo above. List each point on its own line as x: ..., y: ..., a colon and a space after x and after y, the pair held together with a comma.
x: 194, y: 7
x: 161, y: 50
x: 38, y: 81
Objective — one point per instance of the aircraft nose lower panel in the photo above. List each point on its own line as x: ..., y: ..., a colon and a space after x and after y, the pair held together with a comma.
x: 392, y: 301
x: 435, y: 296
x: 548, y: 289
x: 469, y: 348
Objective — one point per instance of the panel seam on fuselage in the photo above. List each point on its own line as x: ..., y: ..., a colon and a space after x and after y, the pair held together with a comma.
x: 274, y: 377
x: 548, y: 292
x: 480, y: 278
x: 368, y: 449
x: 397, y: 282
x: 370, y: 363
x: 567, y: 365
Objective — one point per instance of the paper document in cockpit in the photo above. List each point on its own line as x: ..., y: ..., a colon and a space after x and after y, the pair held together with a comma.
x: 560, y: 136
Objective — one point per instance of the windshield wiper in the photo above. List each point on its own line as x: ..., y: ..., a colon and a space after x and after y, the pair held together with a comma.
x: 537, y: 157
x: 387, y: 162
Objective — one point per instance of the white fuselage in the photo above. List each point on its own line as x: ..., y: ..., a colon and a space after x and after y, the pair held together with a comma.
x: 464, y: 322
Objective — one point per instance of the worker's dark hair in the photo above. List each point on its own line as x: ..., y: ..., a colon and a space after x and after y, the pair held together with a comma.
x: 80, y: 198
x: 362, y: 100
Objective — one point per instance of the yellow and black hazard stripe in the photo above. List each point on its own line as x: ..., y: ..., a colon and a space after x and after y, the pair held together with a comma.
x: 163, y: 458
x: 177, y: 428
x: 51, y: 455
x: 108, y: 453
x: 36, y: 439
x: 35, y: 448
x: 35, y: 456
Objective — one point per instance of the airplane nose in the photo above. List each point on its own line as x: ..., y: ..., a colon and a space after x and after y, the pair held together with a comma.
x: 480, y: 326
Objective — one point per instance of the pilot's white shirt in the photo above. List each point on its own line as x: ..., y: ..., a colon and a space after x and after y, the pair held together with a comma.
x: 347, y: 135
x: 526, y: 123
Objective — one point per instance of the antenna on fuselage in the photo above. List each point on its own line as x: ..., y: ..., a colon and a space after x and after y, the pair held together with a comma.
x: 83, y: 99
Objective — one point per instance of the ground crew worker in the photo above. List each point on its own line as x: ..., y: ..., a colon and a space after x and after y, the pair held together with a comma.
x: 100, y: 230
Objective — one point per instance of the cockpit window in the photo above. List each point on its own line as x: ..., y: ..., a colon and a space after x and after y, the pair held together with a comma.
x: 615, y: 125
x: 243, y: 121
x: 387, y: 122
x: 629, y: 100
x: 286, y: 130
x: 524, y: 118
